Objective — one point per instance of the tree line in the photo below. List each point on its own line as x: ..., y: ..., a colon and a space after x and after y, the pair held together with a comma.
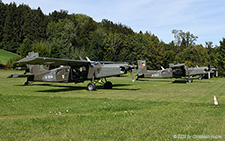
x: 63, y: 35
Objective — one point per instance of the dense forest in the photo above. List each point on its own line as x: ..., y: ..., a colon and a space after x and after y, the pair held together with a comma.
x: 63, y: 35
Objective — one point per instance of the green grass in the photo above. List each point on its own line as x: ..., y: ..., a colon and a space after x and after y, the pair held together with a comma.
x: 5, y: 56
x: 149, y: 109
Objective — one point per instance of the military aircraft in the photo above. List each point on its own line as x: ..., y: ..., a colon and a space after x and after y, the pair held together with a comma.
x: 44, y: 69
x: 180, y: 70
x: 144, y: 73
x: 175, y: 71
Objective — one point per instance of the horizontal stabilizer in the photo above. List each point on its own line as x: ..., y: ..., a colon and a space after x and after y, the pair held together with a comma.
x: 19, y: 75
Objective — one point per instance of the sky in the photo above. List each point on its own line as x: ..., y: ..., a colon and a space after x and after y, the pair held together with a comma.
x: 202, y: 18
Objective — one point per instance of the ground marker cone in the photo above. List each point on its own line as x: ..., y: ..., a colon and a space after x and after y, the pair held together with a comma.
x: 215, y: 101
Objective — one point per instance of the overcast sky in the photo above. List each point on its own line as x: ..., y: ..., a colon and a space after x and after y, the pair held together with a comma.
x: 203, y: 18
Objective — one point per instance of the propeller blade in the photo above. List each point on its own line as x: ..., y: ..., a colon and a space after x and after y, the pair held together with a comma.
x: 208, y: 67
x: 132, y: 76
x: 132, y: 59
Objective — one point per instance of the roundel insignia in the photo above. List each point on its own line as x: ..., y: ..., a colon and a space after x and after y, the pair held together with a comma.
x: 143, y: 64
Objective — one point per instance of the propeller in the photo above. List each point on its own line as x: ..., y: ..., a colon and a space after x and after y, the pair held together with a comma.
x: 131, y: 66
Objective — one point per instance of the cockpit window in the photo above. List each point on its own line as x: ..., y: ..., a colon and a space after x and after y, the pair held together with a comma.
x: 66, y: 70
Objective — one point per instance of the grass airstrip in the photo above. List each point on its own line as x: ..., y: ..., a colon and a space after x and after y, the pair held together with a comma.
x: 149, y: 109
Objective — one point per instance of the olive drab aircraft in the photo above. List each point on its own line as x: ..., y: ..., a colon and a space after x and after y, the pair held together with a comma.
x: 175, y: 71
x: 144, y: 73
x: 44, y: 69
x: 180, y: 70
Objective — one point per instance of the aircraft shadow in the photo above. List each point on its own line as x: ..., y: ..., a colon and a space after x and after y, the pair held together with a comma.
x: 155, y: 80
x: 166, y: 81
x: 74, y: 88
x: 180, y: 81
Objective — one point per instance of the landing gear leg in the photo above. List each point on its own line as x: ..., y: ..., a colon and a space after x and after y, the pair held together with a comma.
x: 27, y: 82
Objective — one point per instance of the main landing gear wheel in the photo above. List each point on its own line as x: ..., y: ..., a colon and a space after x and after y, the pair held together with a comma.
x: 189, y: 80
x: 26, y: 83
x: 107, y: 85
x: 137, y: 78
x: 91, y: 86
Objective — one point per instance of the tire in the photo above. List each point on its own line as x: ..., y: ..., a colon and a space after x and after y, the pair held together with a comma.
x: 137, y: 78
x: 91, y: 86
x: 107, y: 85
x: 26, y: 83
x: 189, y: 80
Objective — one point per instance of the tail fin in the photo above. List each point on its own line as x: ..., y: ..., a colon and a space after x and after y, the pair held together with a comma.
x: 142, y: 66
x: 37, y: 69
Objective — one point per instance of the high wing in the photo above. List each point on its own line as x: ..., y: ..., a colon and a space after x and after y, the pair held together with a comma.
x: 176, y: 66
x: 53, y: 61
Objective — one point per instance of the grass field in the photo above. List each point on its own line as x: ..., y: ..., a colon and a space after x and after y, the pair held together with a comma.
x: 5, y: 56
x: 149, y: 109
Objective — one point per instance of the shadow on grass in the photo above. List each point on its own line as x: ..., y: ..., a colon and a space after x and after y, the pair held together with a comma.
x: 73, y: 88
x: 156, y: 80
x: 179, y: 81
x: 183, y: 81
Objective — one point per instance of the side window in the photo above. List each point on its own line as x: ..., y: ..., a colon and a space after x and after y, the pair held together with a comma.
x: 59, y: 71
x: 66, y: 70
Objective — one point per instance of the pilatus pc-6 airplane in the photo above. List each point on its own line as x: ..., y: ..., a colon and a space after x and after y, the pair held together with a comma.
x: 180, y: 70
x: 175, y: 71
x: 43, y: 69
x: 144, y: 73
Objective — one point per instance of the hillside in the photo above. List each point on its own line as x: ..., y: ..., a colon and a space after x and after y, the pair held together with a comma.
x: 5, y: 56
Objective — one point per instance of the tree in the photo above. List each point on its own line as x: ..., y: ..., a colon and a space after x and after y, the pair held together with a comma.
x: 2, y: 20
x: 112, y: 46
x: 25, y: 47
x: 54, y: 49
x: 34, y: 27
x: 194, y: 55
x: 212, y: 52
x: 55, y: 16
x: 41, y: 47
x: 221, y: 57
x: 185, y: 39
x: 63, y: 33
x: 84, y: 29
x: 97, y: 44
x: 10, y: 29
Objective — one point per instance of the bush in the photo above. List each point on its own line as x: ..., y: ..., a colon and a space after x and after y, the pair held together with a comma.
x: 1, y: 65
x: 12, y: 63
